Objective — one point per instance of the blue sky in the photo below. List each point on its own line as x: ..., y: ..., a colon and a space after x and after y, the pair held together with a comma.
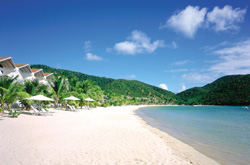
x: 173, y: 44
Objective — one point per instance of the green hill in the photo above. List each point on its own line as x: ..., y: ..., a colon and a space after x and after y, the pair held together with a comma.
x: 227, y: 90
x: 191, y: 96
x: 101, y: 81
x: 123, y: 87
x: 135, y: 88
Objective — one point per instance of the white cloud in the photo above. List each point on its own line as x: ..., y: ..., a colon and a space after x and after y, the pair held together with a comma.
x: 127, y: 47
x: 187, y: 21
x: 138, y: 42
x: 196, y: 77
x: 226, y: 18
x: 132, y: 76
x: 176, y: 70
x: 181, y: 62
x: 183, y: 88
x: 163, y: 86
x: 234, y: 59
x: 92, y: 57
x: 87, y: 46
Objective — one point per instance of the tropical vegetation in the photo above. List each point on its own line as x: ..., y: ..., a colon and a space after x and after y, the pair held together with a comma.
x: 132, y: 88
x: 10, y: 91
x: 227, y: 90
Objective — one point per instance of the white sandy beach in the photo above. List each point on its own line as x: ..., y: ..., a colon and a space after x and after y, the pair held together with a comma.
x: 112, y: 135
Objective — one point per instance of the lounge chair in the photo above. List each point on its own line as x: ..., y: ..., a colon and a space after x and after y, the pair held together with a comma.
x: 87, y: 107
x: 74, y: 108
x: 36, y: 112
x: 69, y: 107
x: 44, y: 111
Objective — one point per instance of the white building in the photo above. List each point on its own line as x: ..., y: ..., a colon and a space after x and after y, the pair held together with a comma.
x: 23, y: 71
x: 7, y: 67
x: 47, y: 77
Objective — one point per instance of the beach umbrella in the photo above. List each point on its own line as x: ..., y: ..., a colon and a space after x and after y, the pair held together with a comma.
x: 89, y: 99
x: 71, y: 98
x: 39, y: 98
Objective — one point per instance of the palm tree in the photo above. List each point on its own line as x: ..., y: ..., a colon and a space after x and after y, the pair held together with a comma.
x: 73, y: 83
x: 10, y: 91
x: 32, y: 88
x: 82, y: 97
x: 58, y: 87
x: 87, y: 85
x: 29, y: 87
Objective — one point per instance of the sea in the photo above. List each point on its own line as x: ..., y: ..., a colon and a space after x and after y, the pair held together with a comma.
x: 219, y: 132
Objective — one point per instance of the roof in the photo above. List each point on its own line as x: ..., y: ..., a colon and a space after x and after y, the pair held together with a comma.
x: 38, y: 72
x: 2, y: 58
x: 20, y: 65
x: 7, y: 62
x: 47, y: 74
x: 24, y: 67
x: 35, y: 70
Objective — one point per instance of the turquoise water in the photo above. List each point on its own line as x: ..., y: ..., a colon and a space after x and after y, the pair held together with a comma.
x: 220, y: 132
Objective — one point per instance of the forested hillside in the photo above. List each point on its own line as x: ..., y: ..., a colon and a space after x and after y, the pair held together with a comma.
x: 101, y: 81
x: 227, y: 90
x: 137, y: 89
x: 123, y: 87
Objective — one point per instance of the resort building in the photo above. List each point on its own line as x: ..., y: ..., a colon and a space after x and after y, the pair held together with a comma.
x: 23, y: 71
x: 48, y: 77
x: 7, y: 67
x: 38, y: 74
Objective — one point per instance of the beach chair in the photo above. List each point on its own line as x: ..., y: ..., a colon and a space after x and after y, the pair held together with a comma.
x: 86, y: 107
x: 36, y: 112
x: 44, y: 111
x: 69, y: 107
x: 73, y: 108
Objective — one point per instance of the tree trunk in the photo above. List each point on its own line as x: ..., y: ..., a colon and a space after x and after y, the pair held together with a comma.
x: 56, y: 102
x: 27, y: 107
x: 2, y: 108
x: 8, y: 106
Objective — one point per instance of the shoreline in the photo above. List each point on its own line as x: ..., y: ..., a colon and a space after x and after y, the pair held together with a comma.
x: 112, y: 135
x: 179, y: 148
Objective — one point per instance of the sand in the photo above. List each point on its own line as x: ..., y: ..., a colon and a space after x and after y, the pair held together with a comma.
x: 113, y: 135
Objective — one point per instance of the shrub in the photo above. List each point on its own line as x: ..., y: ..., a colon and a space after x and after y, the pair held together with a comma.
x: 13, y: 114
x: 105, y: 104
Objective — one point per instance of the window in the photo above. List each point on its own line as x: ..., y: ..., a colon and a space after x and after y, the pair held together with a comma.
x: 1, y: 69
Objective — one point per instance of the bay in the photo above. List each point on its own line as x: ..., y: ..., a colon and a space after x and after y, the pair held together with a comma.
x: 220, y: 132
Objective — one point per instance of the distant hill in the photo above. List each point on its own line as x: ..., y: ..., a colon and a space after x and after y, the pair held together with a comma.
x: 137, y: 89
x: 191, y: 96
x: 227, y: 90
x: 132, y: 88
